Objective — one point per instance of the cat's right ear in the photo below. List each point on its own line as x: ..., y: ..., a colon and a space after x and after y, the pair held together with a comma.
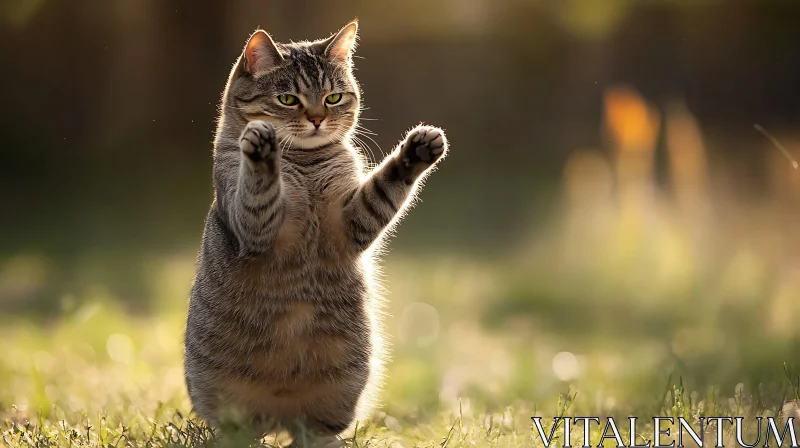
x: 260, y: 54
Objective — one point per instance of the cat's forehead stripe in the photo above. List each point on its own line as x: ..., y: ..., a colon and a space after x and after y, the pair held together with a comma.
x: 301, y: 82
x: 307, y: 82
x: 295, y: 84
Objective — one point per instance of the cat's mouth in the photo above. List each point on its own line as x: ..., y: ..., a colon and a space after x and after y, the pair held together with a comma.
x: 319, y: 132
x: 311, y: 138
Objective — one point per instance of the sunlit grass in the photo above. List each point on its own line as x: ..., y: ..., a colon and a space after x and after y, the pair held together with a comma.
x: 98, y: 376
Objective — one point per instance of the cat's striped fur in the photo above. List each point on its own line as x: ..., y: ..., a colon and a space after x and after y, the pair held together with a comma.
x: 284, y: 316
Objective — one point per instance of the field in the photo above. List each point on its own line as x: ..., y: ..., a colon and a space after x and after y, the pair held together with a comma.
x: 461, y: 376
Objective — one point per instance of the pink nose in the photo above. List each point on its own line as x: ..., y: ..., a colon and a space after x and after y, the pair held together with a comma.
x: 316, y: 120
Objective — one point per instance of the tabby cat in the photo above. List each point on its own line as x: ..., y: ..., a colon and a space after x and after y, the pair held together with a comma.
x: 284, y: 317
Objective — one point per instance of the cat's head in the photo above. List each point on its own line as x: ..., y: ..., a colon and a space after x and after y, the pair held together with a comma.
x: 305, y: 89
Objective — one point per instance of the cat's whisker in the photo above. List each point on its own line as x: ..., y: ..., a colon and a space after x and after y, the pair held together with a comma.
x: 359, y: 132
x: 285, y: 142
x: 291, y: 141
x: 361, y: 144
x: 364, y: 130
x: 361, y: 110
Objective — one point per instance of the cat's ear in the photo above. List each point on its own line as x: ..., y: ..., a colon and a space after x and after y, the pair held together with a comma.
x: 341, y: 46
x: 260, y: 54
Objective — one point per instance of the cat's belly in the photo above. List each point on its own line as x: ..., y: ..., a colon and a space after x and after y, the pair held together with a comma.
x: 302, y: 330
x: 300, y: 373
x: 308, y: 357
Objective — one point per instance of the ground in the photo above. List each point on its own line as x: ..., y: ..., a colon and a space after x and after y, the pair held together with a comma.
x: 479, y: 348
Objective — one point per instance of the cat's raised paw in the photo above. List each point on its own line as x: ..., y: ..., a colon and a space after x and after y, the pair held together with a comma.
x: 258, y: 140
x: 424, y: 145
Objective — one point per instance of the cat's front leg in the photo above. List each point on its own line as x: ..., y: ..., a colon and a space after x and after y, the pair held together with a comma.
x: 257, y: 210
x: 383, y: 195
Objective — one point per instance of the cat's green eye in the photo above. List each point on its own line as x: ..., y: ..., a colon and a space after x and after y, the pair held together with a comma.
x: 288, y: 100
x: 333, y: 98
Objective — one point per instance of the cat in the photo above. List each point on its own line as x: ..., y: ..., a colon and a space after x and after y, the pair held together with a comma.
x: 284, y: 319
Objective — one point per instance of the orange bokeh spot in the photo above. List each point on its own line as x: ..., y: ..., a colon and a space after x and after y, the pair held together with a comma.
x: 632, y: 124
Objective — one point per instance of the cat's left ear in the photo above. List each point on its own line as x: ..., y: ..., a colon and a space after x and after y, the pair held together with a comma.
x: 341, y: 46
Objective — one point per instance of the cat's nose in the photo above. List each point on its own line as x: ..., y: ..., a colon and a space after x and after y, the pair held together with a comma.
x: 317, y: 120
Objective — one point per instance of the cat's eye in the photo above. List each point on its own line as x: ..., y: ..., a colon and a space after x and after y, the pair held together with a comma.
x: 333, y: 98
x: 288, y: 100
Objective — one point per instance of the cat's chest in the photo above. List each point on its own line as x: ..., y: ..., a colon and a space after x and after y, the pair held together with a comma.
x: 315, y: 204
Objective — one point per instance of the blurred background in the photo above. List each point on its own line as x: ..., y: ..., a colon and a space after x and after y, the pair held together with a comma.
x: 609, y: 220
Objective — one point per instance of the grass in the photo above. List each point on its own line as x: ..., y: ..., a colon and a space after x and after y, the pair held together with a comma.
x: 472, y: 364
